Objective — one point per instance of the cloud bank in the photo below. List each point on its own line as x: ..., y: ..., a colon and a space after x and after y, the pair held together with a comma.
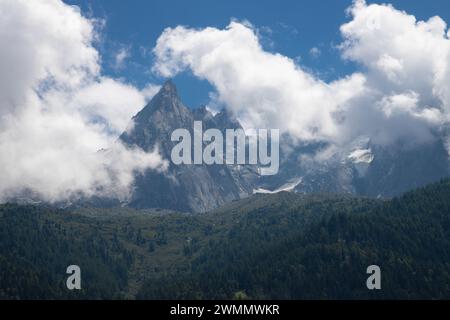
x: 57, y: 110
x: 401, y: 94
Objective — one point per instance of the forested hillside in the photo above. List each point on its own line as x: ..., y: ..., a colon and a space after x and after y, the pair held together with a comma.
x: 267, y: 246
x: 409, y: 238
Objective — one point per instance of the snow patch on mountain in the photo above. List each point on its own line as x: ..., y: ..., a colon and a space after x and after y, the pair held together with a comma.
x: 361, y: 156
x: 289, y: 187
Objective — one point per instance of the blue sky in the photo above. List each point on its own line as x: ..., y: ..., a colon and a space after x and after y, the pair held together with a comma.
x: 295, y: 28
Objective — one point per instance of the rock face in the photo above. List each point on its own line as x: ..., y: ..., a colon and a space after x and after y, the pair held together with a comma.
x: 362, y: 168
x: 183, y: 187
x: 359, y: 168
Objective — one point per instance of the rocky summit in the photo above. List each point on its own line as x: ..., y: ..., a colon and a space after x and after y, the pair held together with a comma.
x: 183, y: 187
x: 360, y: 167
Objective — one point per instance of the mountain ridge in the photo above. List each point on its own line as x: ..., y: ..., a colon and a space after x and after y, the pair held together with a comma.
x: 183, y: 187
x: 360, y: 167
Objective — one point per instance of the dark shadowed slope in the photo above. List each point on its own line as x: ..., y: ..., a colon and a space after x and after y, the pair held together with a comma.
x: 267, y: 246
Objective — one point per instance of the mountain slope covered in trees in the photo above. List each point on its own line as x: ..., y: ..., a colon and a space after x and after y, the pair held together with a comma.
x: 267, y: 246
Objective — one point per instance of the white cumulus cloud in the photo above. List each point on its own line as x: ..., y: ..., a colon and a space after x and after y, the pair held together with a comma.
x: 263, y: 89
x: 57, y: 110
x: 121, y: 56
x: 401, y: 91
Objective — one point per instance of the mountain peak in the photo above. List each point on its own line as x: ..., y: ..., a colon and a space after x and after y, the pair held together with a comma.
x: 166, y: 99
x: 169, y: 86
x: 202, y: 113
x: 226, y: 119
